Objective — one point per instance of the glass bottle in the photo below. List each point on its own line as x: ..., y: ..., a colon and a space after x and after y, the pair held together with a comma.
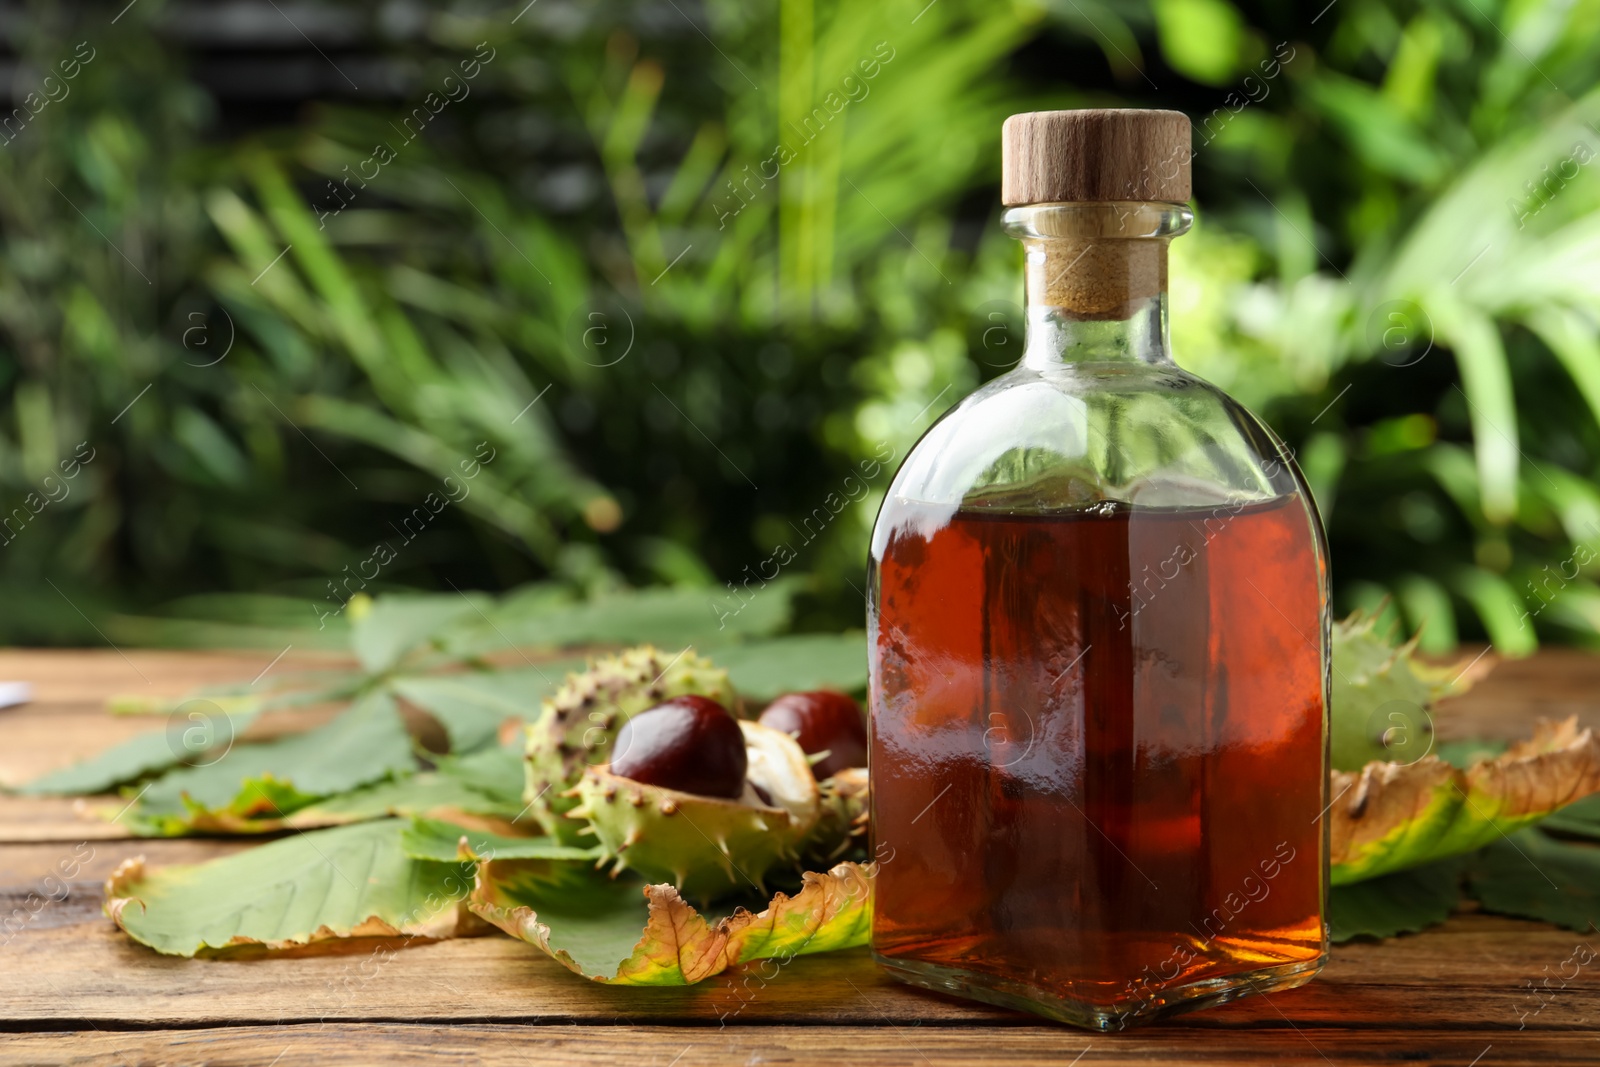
x: 1098, y: 630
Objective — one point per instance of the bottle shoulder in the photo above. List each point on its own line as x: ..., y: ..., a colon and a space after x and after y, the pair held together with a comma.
x: 1077, y: 435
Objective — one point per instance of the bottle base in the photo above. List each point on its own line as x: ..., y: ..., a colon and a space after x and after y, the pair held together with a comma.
x: 1103, y: 1017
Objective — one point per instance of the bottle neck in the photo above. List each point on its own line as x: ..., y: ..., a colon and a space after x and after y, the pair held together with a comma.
x: 1096, y: 280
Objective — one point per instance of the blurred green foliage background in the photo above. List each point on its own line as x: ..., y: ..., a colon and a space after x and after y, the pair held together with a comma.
x: 678, y: 284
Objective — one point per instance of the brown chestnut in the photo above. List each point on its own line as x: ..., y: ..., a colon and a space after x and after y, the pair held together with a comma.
x: 690, y: 744
x: 822, y: 721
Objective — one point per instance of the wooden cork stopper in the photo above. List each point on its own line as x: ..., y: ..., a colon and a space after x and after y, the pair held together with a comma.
x: 1095, y: 154
x: 1097, y: 279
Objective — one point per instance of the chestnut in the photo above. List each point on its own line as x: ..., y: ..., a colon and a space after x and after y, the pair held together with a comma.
x: 689, y: 743
x: 822, y: 720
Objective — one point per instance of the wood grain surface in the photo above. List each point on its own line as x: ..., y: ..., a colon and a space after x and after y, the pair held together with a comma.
x: 73, y: 989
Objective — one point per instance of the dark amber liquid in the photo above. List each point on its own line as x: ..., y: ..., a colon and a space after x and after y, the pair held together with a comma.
x: 1098, y: 748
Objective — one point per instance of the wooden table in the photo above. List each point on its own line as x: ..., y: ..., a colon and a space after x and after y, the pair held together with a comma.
x: 74, y: 989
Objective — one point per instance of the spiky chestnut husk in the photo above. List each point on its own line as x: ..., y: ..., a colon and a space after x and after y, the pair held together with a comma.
x: 577, y: 725
x: 1381, y: 696
x: 842, y: 823
x: 705, y: 846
